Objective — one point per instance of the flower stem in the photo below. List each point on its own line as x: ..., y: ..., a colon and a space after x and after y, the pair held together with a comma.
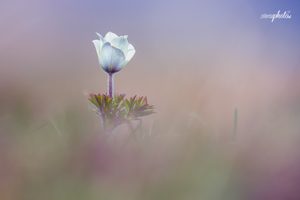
x: 110, y: 85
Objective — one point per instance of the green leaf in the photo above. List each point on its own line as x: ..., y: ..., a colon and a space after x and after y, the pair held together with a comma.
x: 118, y: 110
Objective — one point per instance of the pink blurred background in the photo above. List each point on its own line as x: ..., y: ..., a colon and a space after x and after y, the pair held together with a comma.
x: 220, y: 55
x: 196, y: 61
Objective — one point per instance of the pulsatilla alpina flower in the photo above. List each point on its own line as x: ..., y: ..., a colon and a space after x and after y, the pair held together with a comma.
x: 113, y: 51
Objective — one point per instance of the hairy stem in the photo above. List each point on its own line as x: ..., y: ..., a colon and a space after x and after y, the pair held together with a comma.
x: 110, y: 85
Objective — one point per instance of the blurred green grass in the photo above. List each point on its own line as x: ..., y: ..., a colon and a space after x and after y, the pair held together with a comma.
x: 66, y: 156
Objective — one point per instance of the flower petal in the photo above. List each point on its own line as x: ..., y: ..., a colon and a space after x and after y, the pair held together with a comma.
x: 98, y: 45
x: 111, y: 58
x: 130, y: 53
x: 110, y: 36
x: 100, y: 36
x: 121, y: 43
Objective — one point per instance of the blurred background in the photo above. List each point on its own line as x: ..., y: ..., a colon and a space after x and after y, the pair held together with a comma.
x: 225, y: 85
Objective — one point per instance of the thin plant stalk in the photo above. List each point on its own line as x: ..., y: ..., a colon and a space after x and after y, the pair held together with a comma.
x: 110, y: 85
x: 235, y: 123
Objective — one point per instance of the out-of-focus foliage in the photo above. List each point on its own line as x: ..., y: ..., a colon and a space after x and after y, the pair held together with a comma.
x: 64, y: 155
x: 118, y: 110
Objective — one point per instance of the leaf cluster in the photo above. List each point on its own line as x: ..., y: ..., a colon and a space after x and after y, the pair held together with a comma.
x: 117, y: 110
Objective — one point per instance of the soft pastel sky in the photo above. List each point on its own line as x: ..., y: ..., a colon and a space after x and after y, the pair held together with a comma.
x: 39, y: 34
x: 219, y: 53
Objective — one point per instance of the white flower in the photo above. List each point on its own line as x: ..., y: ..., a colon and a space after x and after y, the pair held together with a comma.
x: 113, y: 51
